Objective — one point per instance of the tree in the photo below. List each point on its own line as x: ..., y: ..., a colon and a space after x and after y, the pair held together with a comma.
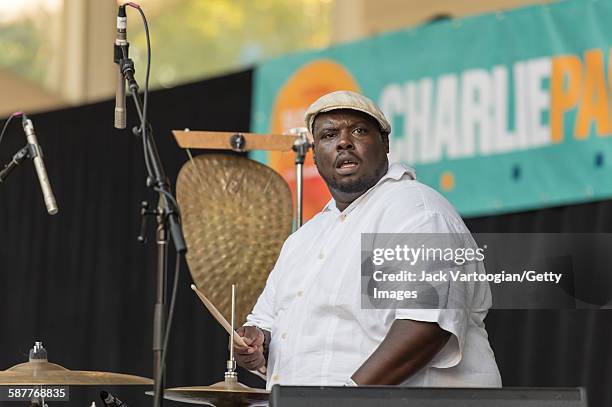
x: 192, y: 39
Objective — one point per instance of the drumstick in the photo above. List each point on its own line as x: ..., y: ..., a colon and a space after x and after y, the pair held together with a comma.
x: 218, y: 316
x: 261, y: 372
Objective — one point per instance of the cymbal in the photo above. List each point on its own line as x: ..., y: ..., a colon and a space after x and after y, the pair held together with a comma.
x: 42, y: 372
x: 218, y: 395
x: 236, y: 214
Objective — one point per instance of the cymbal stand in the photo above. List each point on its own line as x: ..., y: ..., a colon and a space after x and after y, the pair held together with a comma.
x: 300, y: 147
x: 38, y: 353
x: 231, y: 376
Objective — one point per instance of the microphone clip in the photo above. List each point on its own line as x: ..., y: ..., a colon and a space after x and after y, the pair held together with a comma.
x: 19, y: 157
x: 145, y: 212
x: 34, y: 151
x: 121, y: 51
x: 128, y: 71
x: 28, y: 151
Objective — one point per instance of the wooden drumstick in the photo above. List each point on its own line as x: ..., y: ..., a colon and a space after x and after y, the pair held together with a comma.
x: 261, y: 372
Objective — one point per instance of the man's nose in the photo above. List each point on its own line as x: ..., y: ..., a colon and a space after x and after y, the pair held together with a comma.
x: 345, y: 141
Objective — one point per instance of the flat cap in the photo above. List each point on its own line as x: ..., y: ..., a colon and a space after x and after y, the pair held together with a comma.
x: 345, y: 99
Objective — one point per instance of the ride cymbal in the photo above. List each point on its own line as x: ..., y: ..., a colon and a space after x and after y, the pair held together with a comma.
x: 236, y: 214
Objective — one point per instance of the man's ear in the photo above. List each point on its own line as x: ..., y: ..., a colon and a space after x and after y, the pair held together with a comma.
x: 385, y: 138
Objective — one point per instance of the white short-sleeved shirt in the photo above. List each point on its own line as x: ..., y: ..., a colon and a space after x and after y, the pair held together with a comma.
x: 312, y: 300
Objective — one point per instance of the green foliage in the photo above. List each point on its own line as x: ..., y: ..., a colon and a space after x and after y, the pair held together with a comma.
x: 192, y: 39
x: 21, y: 49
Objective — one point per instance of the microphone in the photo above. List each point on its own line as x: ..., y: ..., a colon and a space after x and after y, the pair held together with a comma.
x: 39, y: 164
x: 111, y: 401
x: 121, y: 41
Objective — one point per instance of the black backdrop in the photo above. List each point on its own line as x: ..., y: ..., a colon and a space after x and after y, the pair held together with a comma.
x: 81, y: 283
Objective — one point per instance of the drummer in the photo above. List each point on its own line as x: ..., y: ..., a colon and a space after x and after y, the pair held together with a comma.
x: 308, y: 326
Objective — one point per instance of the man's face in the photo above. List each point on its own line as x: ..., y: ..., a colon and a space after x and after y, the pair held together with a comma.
x: 350, y: 152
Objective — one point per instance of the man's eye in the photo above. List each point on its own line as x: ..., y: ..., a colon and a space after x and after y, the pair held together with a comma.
x: 327, y: 135
x: 360, y: 130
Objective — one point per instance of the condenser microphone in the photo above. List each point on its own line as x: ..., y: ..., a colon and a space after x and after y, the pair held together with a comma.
x: 111, y: 401
x: 39, y: 164
x: 120, y: 44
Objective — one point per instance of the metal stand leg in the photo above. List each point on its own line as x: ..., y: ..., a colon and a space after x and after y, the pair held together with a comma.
x: 300, y: 147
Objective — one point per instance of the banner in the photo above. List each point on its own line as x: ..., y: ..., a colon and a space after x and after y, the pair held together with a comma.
x: 500, y: 112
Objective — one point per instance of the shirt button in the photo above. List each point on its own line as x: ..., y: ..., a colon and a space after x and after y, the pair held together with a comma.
x: 300, y: 293
x: 284, y: 335
x: 275, y: 378
x: 321, y: 256
x: 342, y: 218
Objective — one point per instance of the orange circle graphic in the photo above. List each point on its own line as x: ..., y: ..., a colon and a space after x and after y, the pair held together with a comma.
x: 447, y: 181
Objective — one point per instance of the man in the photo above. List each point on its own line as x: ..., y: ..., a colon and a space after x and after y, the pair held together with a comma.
x: 308, y: 326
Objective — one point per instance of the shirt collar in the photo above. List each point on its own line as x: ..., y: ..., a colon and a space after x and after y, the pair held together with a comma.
x: 395, y: 171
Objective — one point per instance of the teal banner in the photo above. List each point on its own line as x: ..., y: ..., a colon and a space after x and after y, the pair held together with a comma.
x: 501, y: 112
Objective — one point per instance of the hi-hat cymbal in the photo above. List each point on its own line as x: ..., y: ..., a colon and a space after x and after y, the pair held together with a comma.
x: 41, y: 372
x: 219, y: 395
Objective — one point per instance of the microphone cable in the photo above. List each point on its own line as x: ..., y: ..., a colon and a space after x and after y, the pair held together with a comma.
x: 145, y: 135
x: 7, y: 122
x: 145, y: 99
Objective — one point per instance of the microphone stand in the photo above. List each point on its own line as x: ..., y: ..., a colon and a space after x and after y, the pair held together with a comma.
x: 167, y: 220
x: 19, y: 157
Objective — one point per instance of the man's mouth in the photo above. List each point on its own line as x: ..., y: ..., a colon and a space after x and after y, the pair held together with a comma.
x: 346, y: 166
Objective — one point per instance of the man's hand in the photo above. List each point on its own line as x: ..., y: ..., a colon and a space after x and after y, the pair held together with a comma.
x: 252, y: 356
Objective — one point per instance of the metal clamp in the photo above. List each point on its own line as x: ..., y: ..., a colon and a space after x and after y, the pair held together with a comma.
x: 238, y: 143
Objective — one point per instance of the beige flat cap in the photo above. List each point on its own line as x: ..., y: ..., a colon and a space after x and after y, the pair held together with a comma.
x: 345, y: 99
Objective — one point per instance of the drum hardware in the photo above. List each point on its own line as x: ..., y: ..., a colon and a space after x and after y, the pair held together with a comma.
x: 297, y: 140
x: 231, y: 376
x: 230, y: 384
x: 237, y: 142
x: 37, y: 353
x: 261, y: 372
x: 221, y: 140
x: 145, y: 212
x: 38, y: 373
x: 227, y: 393
x: 301, y: 145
